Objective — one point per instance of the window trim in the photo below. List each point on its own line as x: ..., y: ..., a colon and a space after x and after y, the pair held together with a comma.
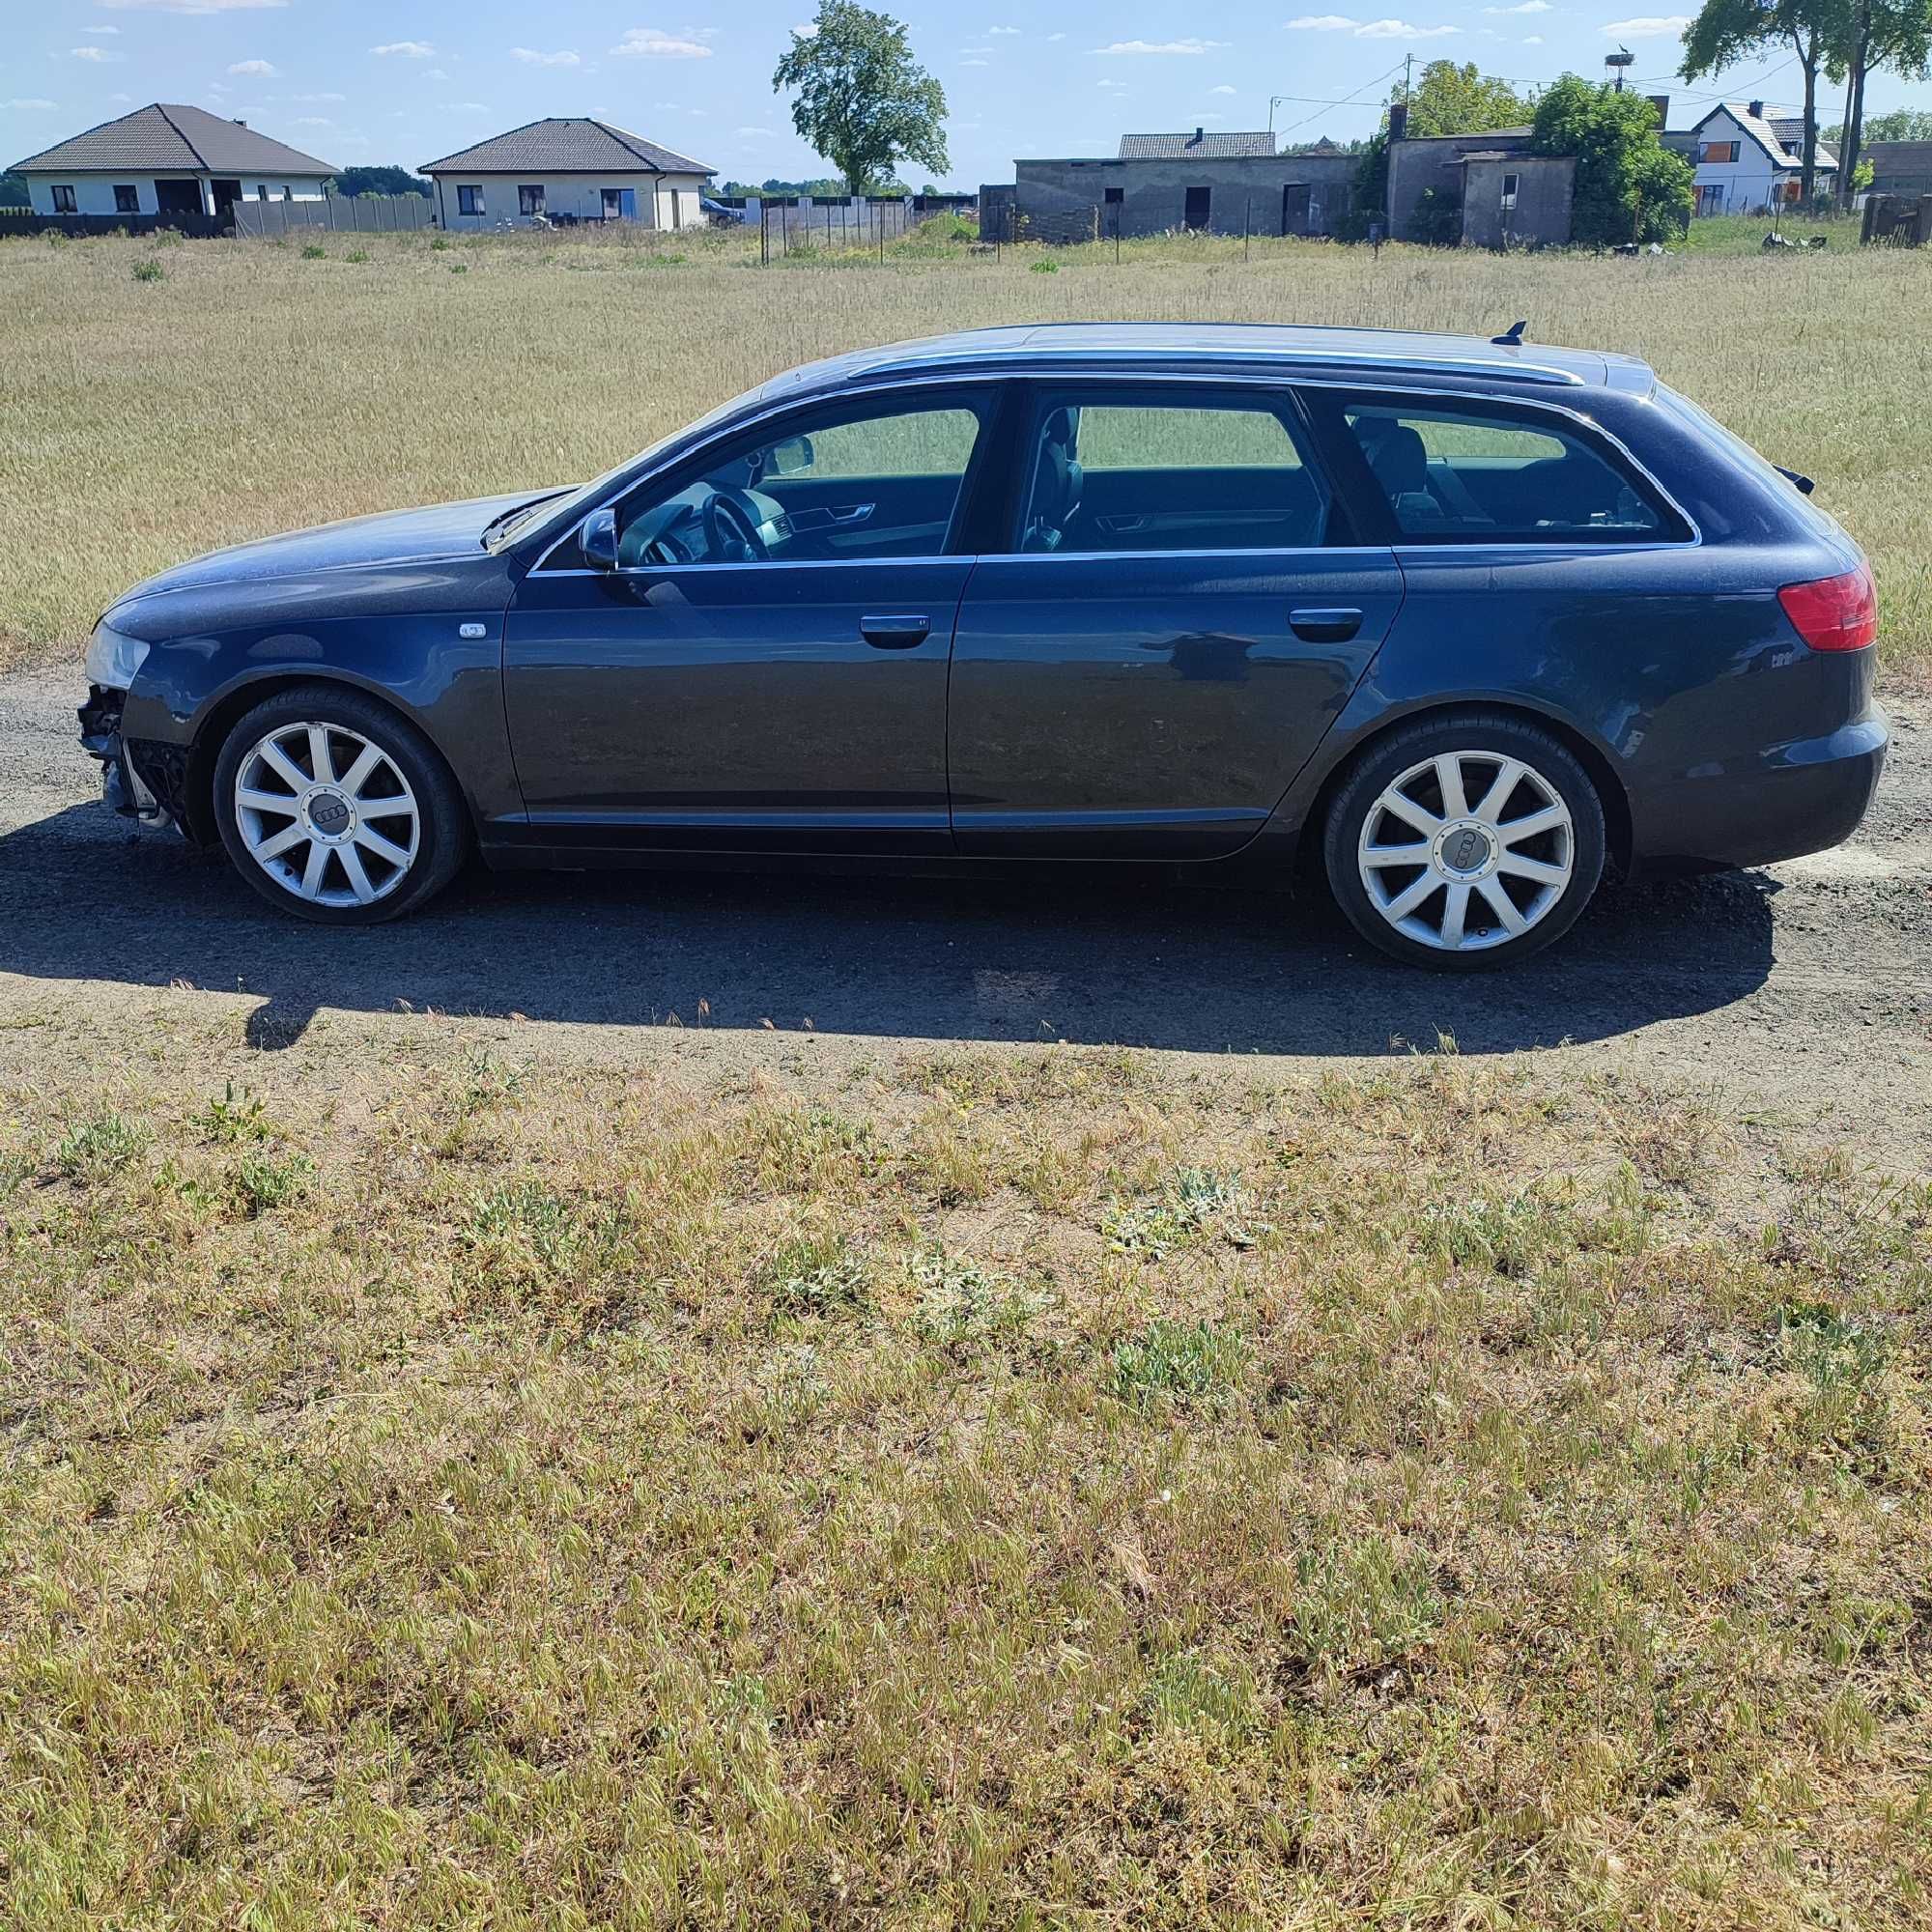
x: 1039, y: 394
x: 1680, y: 530
x: 984, y: 395
x: 54, y: 192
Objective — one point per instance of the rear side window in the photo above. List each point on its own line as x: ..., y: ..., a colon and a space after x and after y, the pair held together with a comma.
x: 1466, y: 475
x: 1113, y: 472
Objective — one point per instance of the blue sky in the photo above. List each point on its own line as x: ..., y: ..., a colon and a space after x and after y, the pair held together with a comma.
x: 408, y: 80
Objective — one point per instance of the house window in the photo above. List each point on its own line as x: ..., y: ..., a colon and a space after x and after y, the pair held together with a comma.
x: 126, y: 200
x: 620, y: 203
x: 261, y: 191
x: 1509, y: 194
x: 531, y: 198
x: 64, y: 201
x: 288, y: 193
x: 1116, y: 196
x: 468, y: 200
x: 1717, y: 151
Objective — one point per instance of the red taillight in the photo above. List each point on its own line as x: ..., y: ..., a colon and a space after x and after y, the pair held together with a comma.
x: 1833, y: 613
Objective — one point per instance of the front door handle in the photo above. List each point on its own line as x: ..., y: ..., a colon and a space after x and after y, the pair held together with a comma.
x: 1324, y: 626
x: 894, y: 634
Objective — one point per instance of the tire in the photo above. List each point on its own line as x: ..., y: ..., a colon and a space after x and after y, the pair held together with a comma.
x: 388, y: 822
x: 1520, y: 885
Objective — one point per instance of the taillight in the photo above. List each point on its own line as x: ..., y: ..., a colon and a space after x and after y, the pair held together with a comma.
x: 1833, y: 613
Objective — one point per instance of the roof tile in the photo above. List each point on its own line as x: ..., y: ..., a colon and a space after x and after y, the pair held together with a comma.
x: 169, y: 137
x: 567, y: 146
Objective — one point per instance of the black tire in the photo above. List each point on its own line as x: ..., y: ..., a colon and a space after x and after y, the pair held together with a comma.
x: 1484, y: 738
x: 441, y: 835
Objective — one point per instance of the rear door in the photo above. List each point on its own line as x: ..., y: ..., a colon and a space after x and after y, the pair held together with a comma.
x: 1177, y: 614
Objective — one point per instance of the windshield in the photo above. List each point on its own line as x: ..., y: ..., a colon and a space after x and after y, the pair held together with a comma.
x: 561, y: 508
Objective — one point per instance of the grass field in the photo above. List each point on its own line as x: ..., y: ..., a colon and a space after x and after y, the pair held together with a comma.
x: 254, y: 387
x: 1054, y: 1489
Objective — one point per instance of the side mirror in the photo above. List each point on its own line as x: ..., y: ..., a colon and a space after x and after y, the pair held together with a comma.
x: 793, y: 456
x: 598, y: 540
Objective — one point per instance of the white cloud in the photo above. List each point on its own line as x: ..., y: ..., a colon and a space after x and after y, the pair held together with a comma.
x: 1401, y: 30
x: 93, y: 54
x: 654, y: 43
x: 30, y: 106
x: 100, y: 29
x: 435, y: 73
x: 752, y: 133
x: 306, y: 98
x: 1003, y: 30
x: 1222, y: 90
x: 1532, y: 39
x: 313, y: 121
x: 1527, y: 7
x: 1323, y: 23
x: 406, y: 49
x: 1055, y: 36
x: 1648, y: 27
x: 531, y: 57
x: 976, y: 63
x: 466, y: 107
x: 1161, y: 47
x: 259, y: 69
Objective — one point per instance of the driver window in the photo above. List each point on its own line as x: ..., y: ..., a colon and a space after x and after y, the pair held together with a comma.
x: 884, y: 483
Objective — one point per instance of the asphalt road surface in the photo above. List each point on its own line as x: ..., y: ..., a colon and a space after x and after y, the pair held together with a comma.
x: 1806, y: 987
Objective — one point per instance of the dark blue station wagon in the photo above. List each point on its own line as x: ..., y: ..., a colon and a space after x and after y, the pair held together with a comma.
x: 1473, y: 621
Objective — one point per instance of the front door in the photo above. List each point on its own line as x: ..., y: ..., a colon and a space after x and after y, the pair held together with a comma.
x: 226, y: 195
x: 1196, y: 207
x: 766, y: 670
x: 1178, y: 619
x: 1295, y: 209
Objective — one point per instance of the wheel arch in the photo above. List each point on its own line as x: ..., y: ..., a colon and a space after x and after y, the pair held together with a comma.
x: 222, y: 712
x: 1612, y: 793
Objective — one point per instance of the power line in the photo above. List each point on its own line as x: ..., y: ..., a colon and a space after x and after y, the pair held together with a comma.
x: 1346, y: 101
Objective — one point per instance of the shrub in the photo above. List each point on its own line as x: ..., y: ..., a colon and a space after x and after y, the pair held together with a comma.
x: 1045, y: 267
x: 150, y: 272
x: 167, y: 237
x: 1172, y: 1361
x: 356, y: 255
x: 56, y: 239
x: 441, y: 241
x: 100, y: 1146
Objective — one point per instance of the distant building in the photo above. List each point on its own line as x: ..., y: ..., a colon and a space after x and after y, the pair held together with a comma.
x: 1230, y: 183
x: 1900, y: 167
x: 168, y: 160
x: 568, y: 171
x: 1745, y: 160
x: 1516, y: 199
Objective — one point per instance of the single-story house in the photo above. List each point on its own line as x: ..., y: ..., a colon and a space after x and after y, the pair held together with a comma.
x: 1745, y: 160
x: 1517, y: 199
x: 568, y: 171
x: 1225, y: 184
x: 168, y: 160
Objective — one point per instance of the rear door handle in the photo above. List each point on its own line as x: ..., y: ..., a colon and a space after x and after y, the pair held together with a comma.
x: 894, y: 634
x: 1324, y: 626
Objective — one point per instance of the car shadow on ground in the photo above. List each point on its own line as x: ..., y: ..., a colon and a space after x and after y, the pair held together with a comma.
x: 1084, y: 960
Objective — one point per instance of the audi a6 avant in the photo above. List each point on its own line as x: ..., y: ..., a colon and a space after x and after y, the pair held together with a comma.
x: 1474, y: 622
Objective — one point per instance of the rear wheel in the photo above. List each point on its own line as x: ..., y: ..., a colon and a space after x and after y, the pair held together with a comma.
x: 1465, y: 843
x: 336, y: 810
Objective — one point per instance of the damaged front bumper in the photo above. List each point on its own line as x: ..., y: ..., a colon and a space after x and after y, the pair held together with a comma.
x: 140, y: 778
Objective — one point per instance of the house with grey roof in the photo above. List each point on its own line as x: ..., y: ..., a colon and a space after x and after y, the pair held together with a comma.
x: 568, y: 171
x: 167, y: 159
x: 1746, y: 160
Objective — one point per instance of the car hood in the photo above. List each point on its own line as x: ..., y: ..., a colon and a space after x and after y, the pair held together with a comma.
x: 396, y: 537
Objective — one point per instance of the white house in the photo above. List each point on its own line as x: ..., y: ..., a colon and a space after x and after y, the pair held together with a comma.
x: 568, y: 171
x: 1746, y: 160
x: 168, y: 160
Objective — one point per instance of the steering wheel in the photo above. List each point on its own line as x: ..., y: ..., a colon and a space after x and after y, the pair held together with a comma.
x: 731, y: 518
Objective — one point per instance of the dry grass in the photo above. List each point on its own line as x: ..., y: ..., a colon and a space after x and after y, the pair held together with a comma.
x: 250, y: 389
x: 1039, y: 1490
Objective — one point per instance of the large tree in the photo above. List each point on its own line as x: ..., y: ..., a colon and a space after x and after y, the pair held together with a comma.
x: 1452, y: 100
x: 863, y: 101
x: 1630, y: 187
x: 1901, y: 124
x: 1874, y: 34
x: 1728, y: 30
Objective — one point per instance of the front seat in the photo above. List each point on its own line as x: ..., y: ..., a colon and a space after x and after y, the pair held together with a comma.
x: 1400, y: 465
x: 1057, y: 483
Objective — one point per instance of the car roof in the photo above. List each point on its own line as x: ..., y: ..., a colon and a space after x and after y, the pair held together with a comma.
x: 1272, y: 347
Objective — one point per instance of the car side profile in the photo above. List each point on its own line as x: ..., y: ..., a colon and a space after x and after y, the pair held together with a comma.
x: 1471, y: 623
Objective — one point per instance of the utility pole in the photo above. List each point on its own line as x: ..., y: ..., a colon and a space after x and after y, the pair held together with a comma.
x: 1408, y: 74
x: 1274, y: 101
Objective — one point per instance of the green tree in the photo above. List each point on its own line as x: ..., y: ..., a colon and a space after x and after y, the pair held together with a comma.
x: 1629, y: 186
x: 1873, y: 33
x: 1728, y: 30
x: 1902, y: 123
x: 1452, y: 100
x: 13, y: 190
x: 387, y: 180
x: 863, y: 101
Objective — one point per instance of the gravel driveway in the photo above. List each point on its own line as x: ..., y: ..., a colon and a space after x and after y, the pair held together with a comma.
x: 1806, y: 988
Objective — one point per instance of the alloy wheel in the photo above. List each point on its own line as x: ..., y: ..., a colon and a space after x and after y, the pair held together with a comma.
x: 1466, y: 850
x: 326, y: 814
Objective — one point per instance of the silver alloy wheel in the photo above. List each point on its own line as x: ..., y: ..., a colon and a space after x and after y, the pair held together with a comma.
x: 1466, y: 850
x: 326, y: 814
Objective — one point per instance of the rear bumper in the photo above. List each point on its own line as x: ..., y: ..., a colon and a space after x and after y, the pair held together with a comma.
x: 1801, y: 797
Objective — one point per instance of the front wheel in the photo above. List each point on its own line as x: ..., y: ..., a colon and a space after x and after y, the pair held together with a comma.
x: 1465, y: 843
x: 336, y: 810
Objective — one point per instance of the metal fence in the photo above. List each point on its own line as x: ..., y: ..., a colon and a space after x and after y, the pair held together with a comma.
x: 790, y: 228
x: 351, y: 214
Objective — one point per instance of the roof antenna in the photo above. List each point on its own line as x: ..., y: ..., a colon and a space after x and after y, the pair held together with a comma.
x: 1513, y: 339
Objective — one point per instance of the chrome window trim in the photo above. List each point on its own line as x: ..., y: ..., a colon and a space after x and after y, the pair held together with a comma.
x: 1143, y: 378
